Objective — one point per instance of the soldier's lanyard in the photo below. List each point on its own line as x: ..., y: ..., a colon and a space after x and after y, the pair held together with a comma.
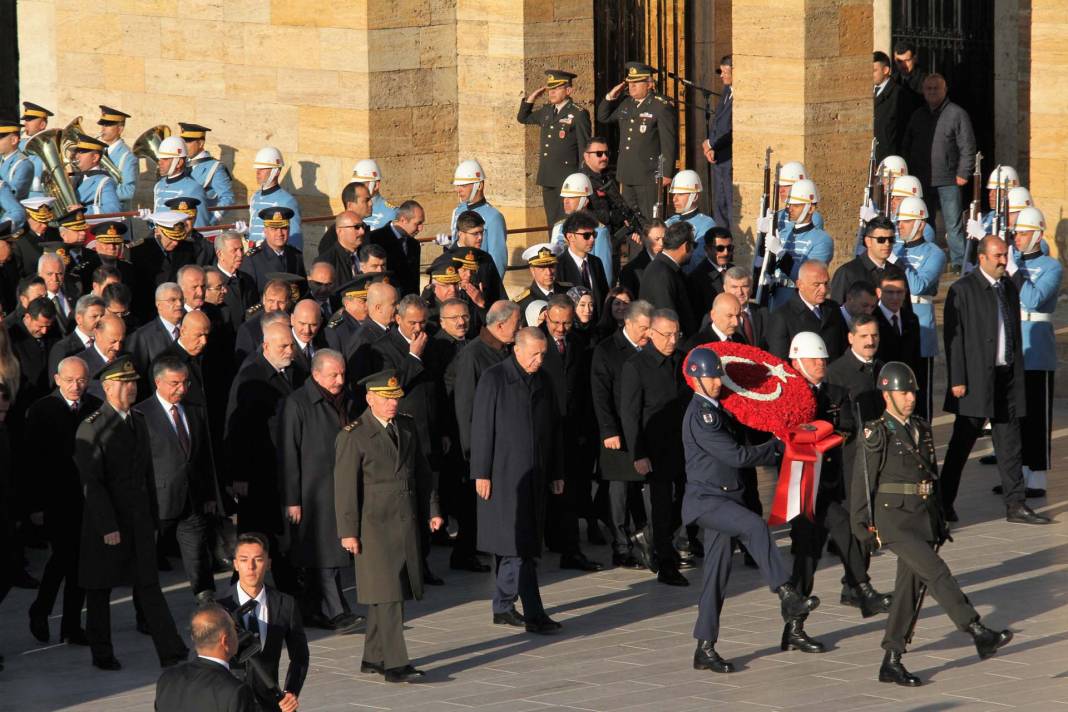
x: 912, y: 449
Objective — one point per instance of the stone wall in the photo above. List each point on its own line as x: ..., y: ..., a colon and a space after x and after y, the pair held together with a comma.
x: 1048, y: 109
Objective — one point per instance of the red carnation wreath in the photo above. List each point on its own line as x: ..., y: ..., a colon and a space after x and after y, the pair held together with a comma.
x: 760, y: 390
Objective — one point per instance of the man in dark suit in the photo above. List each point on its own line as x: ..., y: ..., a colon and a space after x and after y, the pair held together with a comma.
x: 206, y: 683
x: 984, y: 357
x: 277, y: 297
x: 381, y: 310
x: 753, y: 318
x: 157, y: 260
x: 577, y: 265
x: 723, y: 320
x: 718, y: 146
x: 274, y: 619
x: 186, y: 491
x: 241, y: 292
x: 899, y: 328
x: 398, y: 238
x: 351, y: 232
x: 274, y: 254
x: 108, y: 340
x: 889, y: 121
x: 663, y: 283
x: 873, y: 263
x: 355, y: 199
x: 857, y: 368
x: 809, y: 309
x: 157, y: 335
x: 87, y: 312
x: 51, y: 423
x: 705, y: 282
x: 306, y: 321
x: 630, y: 276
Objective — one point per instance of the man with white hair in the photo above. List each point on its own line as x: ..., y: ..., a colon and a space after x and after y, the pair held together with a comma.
x: 150, y: 340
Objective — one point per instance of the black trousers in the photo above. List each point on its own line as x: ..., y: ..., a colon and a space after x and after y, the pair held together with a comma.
x: 1036, y: 427
x: 384, y: 642
x: 627, y: 507
x: 554, y: 206
x: 918, y: 563
x: 564, y: 509
x: 808, y: 539
x: 925, y: 395
x: 641, y: 198
x: 62, y: 568
x: 1005, y: 429
x: 517, y: 577
x: 663, y: 501
x: 723, y: 193
x: 461, y: 505
x: 149, y: 600
x: 193, y: 533
x: 323, y: 593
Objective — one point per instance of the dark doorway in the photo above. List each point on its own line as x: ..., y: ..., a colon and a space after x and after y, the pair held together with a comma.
x: 618, y: 37
x: 956, y: 39
x: 9, y: 59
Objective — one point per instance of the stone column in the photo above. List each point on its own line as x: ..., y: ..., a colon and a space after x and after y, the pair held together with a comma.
x: 802, y: 84
x: 1049, y: 106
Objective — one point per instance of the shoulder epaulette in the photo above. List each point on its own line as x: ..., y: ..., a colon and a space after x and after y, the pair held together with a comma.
x: 349, y: 428
x: 409, y: 416
x: 874, y: 434
x: 525, y: 293
x: 93, y: 416
x: 254, y: 249
x: 335, y: 319
x: 136, y: 243
x: 253, y: 309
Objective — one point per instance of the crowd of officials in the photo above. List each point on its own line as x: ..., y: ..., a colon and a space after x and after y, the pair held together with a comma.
x: 229, y: 399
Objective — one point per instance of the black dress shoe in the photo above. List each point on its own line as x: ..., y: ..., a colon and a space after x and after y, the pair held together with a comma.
x: 988, y: 641
x: 222, y: 565
x: 368, y: 668
x: 706, y: 658
x: 21, y: 579
x: 107, y: 663
x: 543, y: 626
x: 316, y: 620
x: 469, y: 563
x: 432, y: 579
x: 403, y: 674
x: 685, y: 563
x: 626, y: 561
x: 1022, y: 514
x: 344, y: 623
x: 794, y: 637
x: 39, y: 628
x: 696, y: 548
x: 74, y: 637
x: 892, y: 670
x: 1034, y: 493
x: 951, y: 514
x: 793, y: 604
x: 988, y: 460
x: 671, y: 577
x: 870, y: 601
x: 593, y: 533
x: 509, y: 617
x: 997, y: 489
x: 579, y: 562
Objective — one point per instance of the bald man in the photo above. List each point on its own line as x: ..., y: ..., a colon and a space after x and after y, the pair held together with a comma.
x: 322, y: 283
x: 381, y: 310
x: 308, y: 337
x: 722, y: 325
x: 351, y: 233
x: 810, y: 308
x: 108, y: 339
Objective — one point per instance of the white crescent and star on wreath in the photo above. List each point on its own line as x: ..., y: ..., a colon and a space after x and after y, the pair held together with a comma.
x: 774, y: 371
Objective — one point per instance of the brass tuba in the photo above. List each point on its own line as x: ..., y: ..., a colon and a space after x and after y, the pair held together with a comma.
x: 48, y: 147
x: 70, y: 137
x: 147, y: 144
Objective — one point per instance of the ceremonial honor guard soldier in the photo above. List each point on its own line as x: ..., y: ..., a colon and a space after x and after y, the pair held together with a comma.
x: 383, y: 212
x: 715, y: 450
x: 647, y: 136
x: 96, y: 191
x: 685, y: 192
x: 176, y: 181
x: 575, y: 195
x: 208, y: 171
x: 470, y: 182
x: 34, y: 121
x: 268, y: 164
x: 565, y: 131
x: 382, y: 485
x: 16, y: 169
x: 112, y: 122
x: 894, y: 502
x: 799, y: 241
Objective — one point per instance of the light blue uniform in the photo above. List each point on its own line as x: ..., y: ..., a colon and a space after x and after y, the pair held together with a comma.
x: 273, y: 198
x: 701, y: 225
x: 123, y: 158
x: 36, y: 187
x: 817, y: 220
x: 495, y: 241
x: 923, y: 263
x: 10, y: 208
x: 808, y: 243
x: 181, y: 186
x: 382, y: 212
x: 927, y: 233
x: 214, y: 178
x: 1038, y: 299
x: 96, y: 192
x: 602, y: 246
x: 16, y: 170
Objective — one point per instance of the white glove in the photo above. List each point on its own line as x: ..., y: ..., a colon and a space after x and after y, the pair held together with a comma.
x: 892, y: 259
x: 143, y: 213
x: 1012, y: 267
x: 217, y: 216
x: 240, y: 226
x: 764, y: 224
x: 443, y: 239
x: 773, y: 244
x: 976, y: 231
x: 867, y: 212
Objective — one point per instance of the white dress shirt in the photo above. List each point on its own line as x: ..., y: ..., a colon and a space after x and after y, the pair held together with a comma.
x: 166, y: 405
x: 999, y: 354
x: 262, y: 614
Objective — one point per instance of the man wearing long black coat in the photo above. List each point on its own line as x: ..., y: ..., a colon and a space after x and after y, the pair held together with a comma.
x: 516, y: 458
x: 663, y: 284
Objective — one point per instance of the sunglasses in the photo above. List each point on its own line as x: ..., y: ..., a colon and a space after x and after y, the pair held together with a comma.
x: 883, y: 240
x: 724, y: 248
x: 585, y: 235
x: 599, y: 154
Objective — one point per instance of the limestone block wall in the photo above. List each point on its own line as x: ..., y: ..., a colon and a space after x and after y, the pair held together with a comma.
x: 1048, y: 109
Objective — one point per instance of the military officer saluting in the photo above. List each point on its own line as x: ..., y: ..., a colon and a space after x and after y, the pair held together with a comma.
x: 647, y: 134
x: 565, y: 130
x: 112, y: 123
x: 34, y: 121
x: 893, y: 502
x: 16, y: 169
x: 384, y: 493
x: 383, y: 212
x: 208, y: 171
x: 176, y: 181
x: 268, y: 164
x: 96, y: 191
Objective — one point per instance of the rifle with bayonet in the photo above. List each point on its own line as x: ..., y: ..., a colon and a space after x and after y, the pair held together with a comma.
x: 975, y: 210
x: 869, y: 198
x: 772, y: 230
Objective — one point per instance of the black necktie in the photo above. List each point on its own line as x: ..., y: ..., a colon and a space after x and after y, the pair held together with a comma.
x: 74, y: 407
x: 252, y: 623
x: 391, y: 429
x: 896, y: 324
x: 179, y: 428
x: 586, y: 274
x: 817, y: 313
x: 1003, y: 305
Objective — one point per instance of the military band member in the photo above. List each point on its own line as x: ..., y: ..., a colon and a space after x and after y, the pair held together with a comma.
x: 96, y: 190
x: 685, y: 191
x: 714, y: 451
x: 16, y: 169
x: 208, y: 171
x: 383, y: 487
x: 799, y: 241
x: 112, y: 123
x: 176, y: 181
x: 894, y: 502
x: 34, y: 121
x: 383, y: 212
x: 647, y: 136
x: 470, y: 182
x: 565, y: 130
x: 275, y: 252
x: 10, y: 208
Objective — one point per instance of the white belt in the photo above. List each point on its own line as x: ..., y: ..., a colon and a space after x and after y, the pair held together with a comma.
x: 1034, y: 316
x: 921, y: 299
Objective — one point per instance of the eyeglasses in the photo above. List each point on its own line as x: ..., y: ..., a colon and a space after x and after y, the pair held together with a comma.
x: 360, y: 226
x: 724, y: 248
x: 584, y: 235
x: 476, y: 233
x: 216, y: 288
x: 599, y: 154
x: 670, y: 336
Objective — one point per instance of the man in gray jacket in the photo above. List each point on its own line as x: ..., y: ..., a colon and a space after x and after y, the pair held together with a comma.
x: 939, y: 145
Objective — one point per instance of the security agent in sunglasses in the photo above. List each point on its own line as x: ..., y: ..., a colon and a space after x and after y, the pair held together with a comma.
x: 877, y: 259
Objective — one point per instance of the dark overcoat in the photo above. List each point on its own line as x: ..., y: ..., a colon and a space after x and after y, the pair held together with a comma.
x: 606, y: 381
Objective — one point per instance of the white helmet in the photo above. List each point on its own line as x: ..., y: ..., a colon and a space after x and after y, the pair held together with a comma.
x: 577, y: 185
x: 893, y: 166
x: 367, y: 171
x: 1019, y: 198
x: 912, y: 209
x: 470, y: 172
x: 172, y: 147
x: 906, y: 187
x: 1005, y: 175
x: 686, y: 183
x: 803, y: 192
x: 808, y: 344
x: 1031, y: 220
x: 792, y: 172
x: 269, y: 157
